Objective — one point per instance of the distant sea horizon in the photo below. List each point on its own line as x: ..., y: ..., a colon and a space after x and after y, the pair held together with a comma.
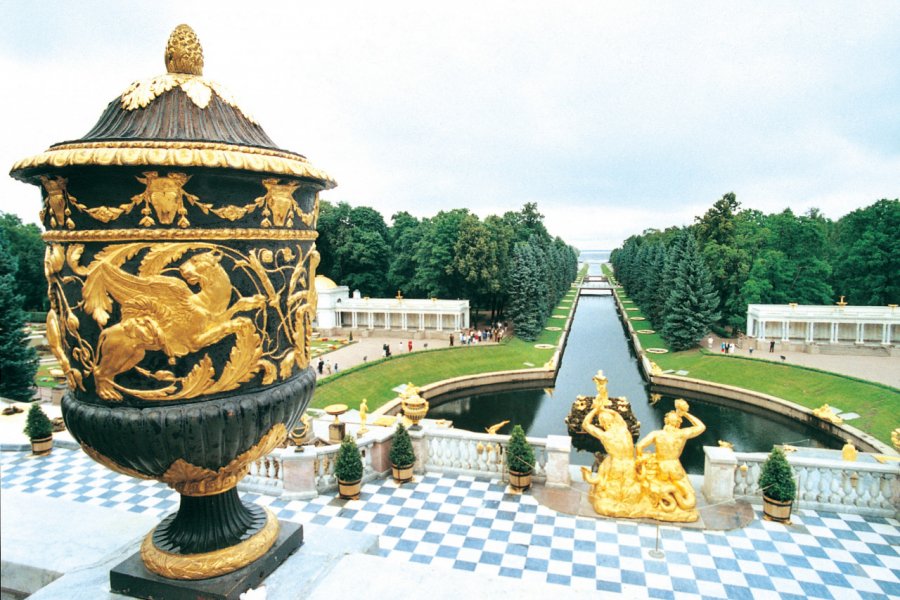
x: 593, y: 255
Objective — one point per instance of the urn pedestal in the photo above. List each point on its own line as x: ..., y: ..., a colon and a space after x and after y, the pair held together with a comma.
x: 180, y: 261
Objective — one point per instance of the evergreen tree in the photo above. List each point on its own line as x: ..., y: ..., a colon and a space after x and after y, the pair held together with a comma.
x: 18, y: 361
x: 523, y: 308
x: 692, y: 303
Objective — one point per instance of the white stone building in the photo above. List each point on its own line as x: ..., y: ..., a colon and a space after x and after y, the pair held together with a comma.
x: 338, y: 311
x: 826, y: 329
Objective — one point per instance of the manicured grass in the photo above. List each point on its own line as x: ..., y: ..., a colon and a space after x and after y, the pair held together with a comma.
x: 43, y: 378
x: 375, y: 380
x: 878, y: 405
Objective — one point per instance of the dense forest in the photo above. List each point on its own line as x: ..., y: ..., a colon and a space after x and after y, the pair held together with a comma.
x: 731, y: 257
x: 508, y: 266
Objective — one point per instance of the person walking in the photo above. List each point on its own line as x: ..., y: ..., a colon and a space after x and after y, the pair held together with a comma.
x: 772, y: 346
x: 409, y: 345
x: 451, y: 340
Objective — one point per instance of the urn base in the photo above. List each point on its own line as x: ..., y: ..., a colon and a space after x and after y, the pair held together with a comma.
x: 132, y: 578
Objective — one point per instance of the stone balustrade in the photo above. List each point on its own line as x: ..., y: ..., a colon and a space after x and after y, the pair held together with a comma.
x: 302, y: 475
x: 824, y: 481
x: 484, y: 454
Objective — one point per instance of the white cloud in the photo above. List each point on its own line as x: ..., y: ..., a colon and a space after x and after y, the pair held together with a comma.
x: 612, y: 117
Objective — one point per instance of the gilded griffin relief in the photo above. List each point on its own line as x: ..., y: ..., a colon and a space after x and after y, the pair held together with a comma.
x: 179, y: 300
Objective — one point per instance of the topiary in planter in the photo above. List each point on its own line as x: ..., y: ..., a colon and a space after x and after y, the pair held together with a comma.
x: 402, y: 455
x: 519, y: 459
x: 38, y: 425
x: 349, y: 464
x: 777, y: 478
x: 39, y: 429
x: 779, y: 489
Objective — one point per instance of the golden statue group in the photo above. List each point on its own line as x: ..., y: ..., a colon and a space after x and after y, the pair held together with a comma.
x: 631, y: 482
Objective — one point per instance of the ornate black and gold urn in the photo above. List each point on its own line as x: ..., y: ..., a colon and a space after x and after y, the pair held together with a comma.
x: 181, y: 260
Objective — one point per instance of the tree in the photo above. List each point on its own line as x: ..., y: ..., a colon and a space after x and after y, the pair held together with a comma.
x: 526, y: 223
x: 523, y: 307
x: 18, y: 361
x: 867, y: 259
x: 26, y: 244
x: 353, y: 244
x: 404, y: 236
x: 435, y: 272
x: 481, y: 258
x: 691, y: 306
x: 717, y: 224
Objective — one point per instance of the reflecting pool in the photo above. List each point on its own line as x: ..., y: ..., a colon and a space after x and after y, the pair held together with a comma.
x: 597, y: 340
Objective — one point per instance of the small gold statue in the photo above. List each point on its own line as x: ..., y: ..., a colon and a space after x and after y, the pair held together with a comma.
x: 493, y: 429
x: 826, y: 413
x: 363, y: 416
x: 724, y: 444
x: 895, y: 438
x: 849, y: 452
x: 602, y: 396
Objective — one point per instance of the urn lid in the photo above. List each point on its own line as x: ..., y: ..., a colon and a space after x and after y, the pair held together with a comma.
x: 179, y: 118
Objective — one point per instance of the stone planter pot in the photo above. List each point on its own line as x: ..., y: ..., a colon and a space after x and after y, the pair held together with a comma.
x: 349, y: 490
x: 41, y: 446
x: 776, y: 510
x: 519, y: 481
x: 180, y: 261
x: 402, y: 474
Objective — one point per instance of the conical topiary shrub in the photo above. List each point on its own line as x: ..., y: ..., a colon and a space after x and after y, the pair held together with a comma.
x: 778, y: 487
x: 348, y: 469
x: 39, y: 430
x: 402, y: 455
x: 519, y: 459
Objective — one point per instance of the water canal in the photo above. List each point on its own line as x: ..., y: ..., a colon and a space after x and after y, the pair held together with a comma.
x: 597, y: 340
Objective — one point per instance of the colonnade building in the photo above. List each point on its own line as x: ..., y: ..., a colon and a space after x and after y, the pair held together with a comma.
x: 339, y: 312
x: 826, y: 329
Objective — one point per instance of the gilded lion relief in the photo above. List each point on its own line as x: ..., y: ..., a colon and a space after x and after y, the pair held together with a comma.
x: 176, y: 301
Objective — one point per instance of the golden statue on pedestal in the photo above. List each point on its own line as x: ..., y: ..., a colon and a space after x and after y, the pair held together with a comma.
x: 634, y: 484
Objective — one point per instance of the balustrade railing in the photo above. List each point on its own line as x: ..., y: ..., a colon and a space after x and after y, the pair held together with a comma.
x: 326, y: 457
x: 460, y: 451
x: 266, y: 475
x: 861, y: 486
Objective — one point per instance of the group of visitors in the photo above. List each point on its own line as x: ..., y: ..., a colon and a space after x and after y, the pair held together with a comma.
x: 324, y: 367
x: 477, y: 336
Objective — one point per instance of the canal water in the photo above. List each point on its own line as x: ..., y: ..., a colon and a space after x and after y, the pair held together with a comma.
x: 597, y: 340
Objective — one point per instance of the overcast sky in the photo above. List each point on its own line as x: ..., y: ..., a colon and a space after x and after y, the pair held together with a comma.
x: 613, y: 117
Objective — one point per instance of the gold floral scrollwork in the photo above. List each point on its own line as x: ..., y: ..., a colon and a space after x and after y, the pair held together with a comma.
x: 111, y: 464
x: 192, y: 480
x: 210, y: 564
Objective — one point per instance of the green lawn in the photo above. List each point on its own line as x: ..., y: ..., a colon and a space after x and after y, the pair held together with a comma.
x: 878, y: 405
x: 375, y: 380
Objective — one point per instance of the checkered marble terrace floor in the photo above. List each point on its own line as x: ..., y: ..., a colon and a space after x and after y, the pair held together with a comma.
x: 472, y: 524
